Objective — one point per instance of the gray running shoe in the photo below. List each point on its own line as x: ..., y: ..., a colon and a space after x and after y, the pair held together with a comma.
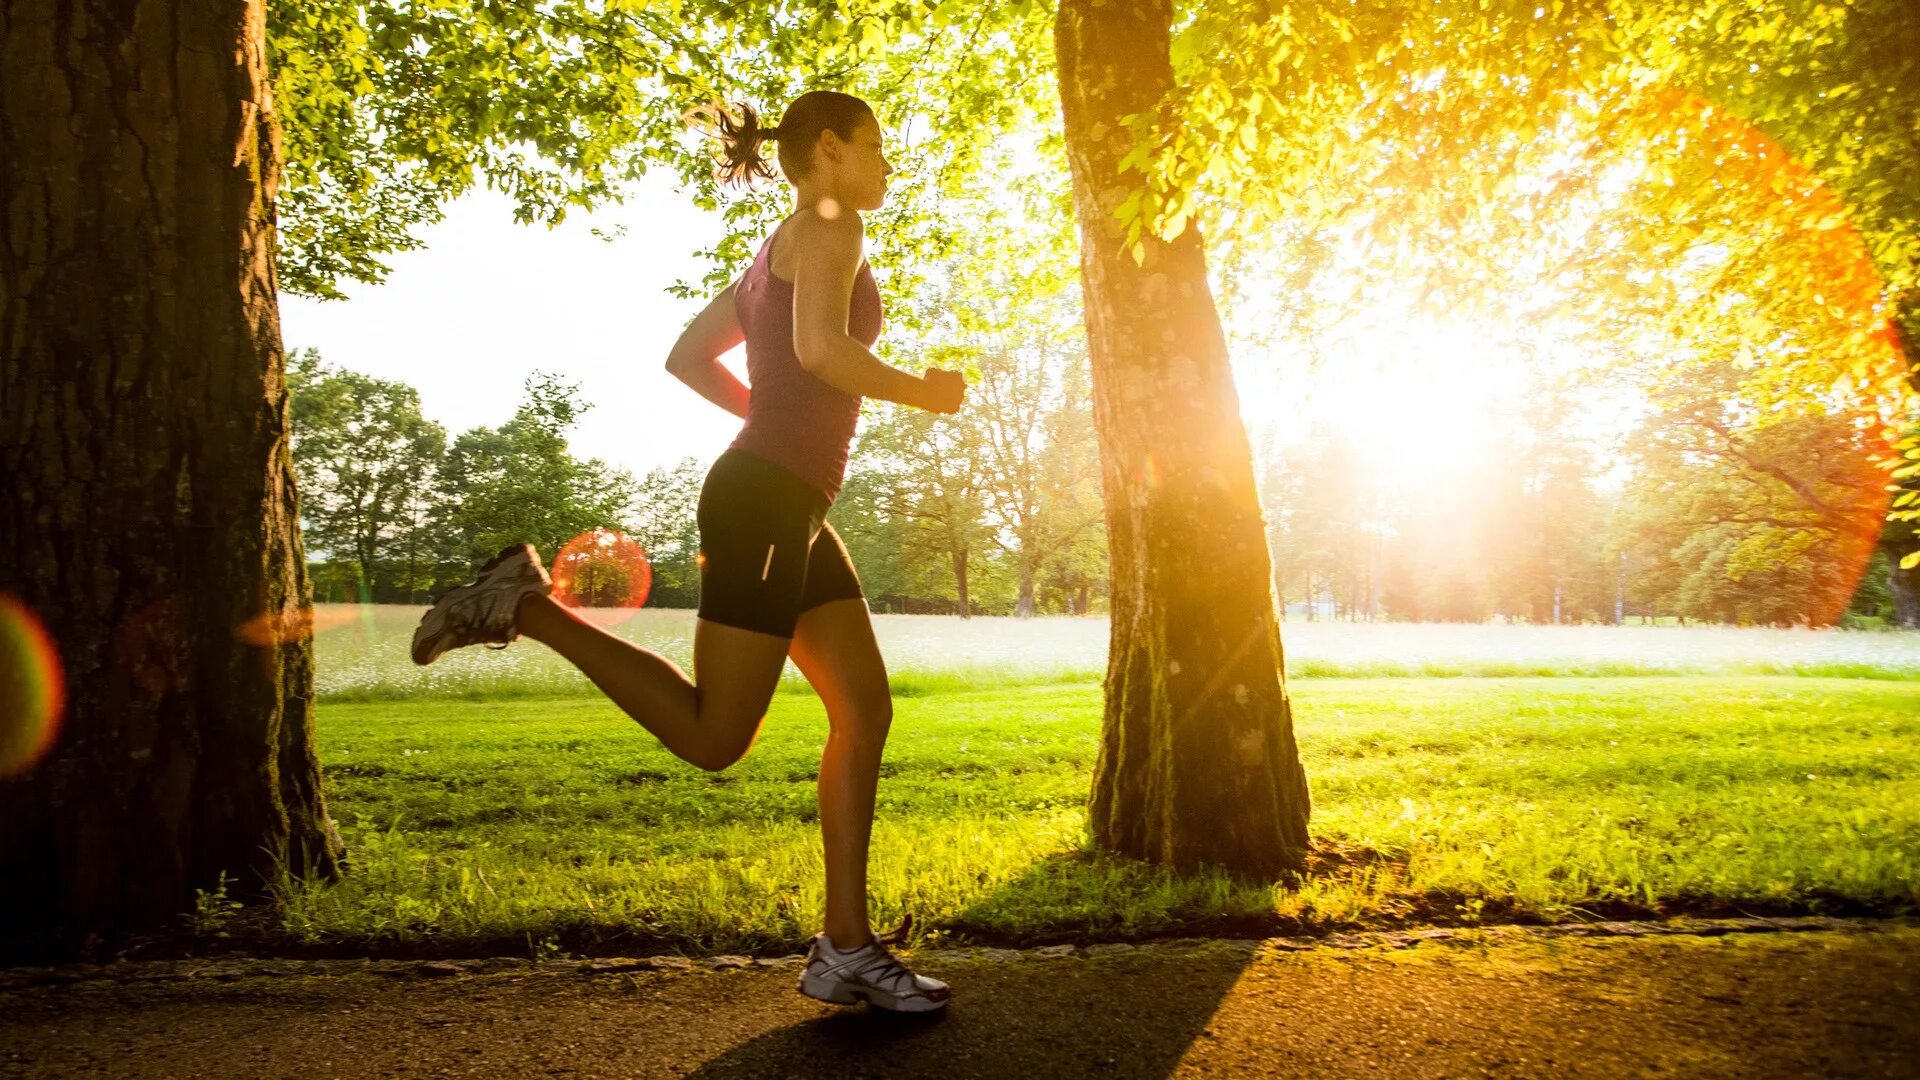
x: 871, y: 974
x: 482, y: 610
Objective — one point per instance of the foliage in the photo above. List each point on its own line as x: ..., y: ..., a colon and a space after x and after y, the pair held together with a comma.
x: 397, y: 513
x: 1740, y: 157
x: 1770, y: 526
x: 1667, y: 173
x: 363, y: 455
x: 518, y: 482
x: 390, y: 108
x: 663, y: 520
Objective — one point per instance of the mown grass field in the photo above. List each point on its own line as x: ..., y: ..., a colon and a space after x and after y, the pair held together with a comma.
x: 546, y: 821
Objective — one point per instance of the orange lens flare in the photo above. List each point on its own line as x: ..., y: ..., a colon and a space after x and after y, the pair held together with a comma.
x: 1834, y: 290
x: 293, y: 624
x: 33, y: 691
x: 602, y: 569
x: 1150, y: 472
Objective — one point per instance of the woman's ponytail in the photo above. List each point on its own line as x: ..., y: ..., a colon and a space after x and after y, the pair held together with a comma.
x: 740, y: 160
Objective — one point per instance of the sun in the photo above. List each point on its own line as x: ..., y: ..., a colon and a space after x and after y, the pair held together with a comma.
x: 1423, y: 393
x: 1423, y: 397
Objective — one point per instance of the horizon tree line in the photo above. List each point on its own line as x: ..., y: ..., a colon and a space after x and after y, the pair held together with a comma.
x: 994, y: 512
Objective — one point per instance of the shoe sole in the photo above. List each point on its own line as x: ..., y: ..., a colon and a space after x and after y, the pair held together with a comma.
x: 837, y: 992
x: 420, y: 645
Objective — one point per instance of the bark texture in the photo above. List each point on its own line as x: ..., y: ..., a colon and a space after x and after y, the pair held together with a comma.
x: 1198, y: 764
x: 148, y: 515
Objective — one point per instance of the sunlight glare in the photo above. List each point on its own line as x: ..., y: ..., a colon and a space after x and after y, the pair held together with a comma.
x: 602, y: 569
x: 32, y: 688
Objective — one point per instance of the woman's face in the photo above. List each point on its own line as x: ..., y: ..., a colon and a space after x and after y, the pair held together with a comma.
x: 861, y: 170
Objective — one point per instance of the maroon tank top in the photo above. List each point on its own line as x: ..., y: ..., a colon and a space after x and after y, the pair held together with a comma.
x: 794, y: 419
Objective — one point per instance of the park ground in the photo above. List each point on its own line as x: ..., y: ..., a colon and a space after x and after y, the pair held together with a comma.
x: 525, y: 820
x: 514, y: 840
x: 1481, y: 1003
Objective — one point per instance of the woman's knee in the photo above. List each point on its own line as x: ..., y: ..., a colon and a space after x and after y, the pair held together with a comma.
x: 728, y: 738
x: 721, y: 754
x: 864, y: 724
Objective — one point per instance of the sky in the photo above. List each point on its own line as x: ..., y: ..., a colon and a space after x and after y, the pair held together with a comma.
x: 465, y: 320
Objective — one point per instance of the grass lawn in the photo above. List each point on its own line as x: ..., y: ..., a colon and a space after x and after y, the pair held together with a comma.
x: 550, y: 825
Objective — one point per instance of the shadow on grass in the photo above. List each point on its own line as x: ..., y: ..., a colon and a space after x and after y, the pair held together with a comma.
x: 1088, y: 897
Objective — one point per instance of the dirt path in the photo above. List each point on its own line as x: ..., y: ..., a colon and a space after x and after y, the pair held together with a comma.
x: 1765, y: 1004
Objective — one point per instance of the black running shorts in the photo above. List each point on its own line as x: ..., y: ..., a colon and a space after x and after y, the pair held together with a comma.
x: 766, y: 551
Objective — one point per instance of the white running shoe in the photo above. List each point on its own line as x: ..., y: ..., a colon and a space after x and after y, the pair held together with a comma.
x: 483, y: 609
x: 870, y: 973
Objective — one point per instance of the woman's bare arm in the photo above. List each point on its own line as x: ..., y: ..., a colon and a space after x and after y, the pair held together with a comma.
x: 695, y: 357
x: 829, y: 260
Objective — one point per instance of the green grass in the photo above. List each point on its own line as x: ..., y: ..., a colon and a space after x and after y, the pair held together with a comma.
x: 558, y: 824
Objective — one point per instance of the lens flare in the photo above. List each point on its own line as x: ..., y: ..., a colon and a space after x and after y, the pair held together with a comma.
x: 32, y: 688
x: 602, y: 569
x: 1821, y: 281
x: 293, y: 624
x: 1150, y: 472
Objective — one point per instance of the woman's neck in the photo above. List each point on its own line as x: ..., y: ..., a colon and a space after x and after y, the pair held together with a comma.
x: 819, y: 200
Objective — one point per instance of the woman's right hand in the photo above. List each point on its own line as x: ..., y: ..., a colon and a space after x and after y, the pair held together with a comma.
x: 944, y: 390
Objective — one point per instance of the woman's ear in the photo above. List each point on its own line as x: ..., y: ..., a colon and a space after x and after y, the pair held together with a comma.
x: 831, y: 145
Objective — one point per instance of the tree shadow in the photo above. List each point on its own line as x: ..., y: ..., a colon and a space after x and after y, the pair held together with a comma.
x: 1089, y: 896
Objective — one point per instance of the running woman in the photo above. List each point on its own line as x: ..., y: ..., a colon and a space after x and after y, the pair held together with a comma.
x: 775, y: 580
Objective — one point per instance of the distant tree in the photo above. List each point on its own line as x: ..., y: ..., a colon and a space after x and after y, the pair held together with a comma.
x: 1557, y: 575
x: 519, y: 482
x: 1899, y: 549
x: 1034, y: 437
x: 929, y: 472
x: 664, y: 522
x: 1325, y: 504
x: 1767, y: 523
x: 876, y: 537
x: 1075, y: 563
x: 365, y: 459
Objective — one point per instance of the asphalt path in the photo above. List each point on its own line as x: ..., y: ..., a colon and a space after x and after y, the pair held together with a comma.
x: 1743, y: 1005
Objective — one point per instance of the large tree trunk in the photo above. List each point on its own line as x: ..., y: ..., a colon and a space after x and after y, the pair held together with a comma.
x: 148, y: 514
x: 1197, y: 761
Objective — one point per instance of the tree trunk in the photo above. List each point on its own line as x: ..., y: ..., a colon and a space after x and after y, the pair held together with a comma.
x: 1197, y: 763
x: 149, y: 514
x: 1903, y: 584
x: 963, y: 603
x: 1024, y: 606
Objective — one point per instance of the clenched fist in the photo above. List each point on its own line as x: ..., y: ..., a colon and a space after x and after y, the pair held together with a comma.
x: 945, y: 390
